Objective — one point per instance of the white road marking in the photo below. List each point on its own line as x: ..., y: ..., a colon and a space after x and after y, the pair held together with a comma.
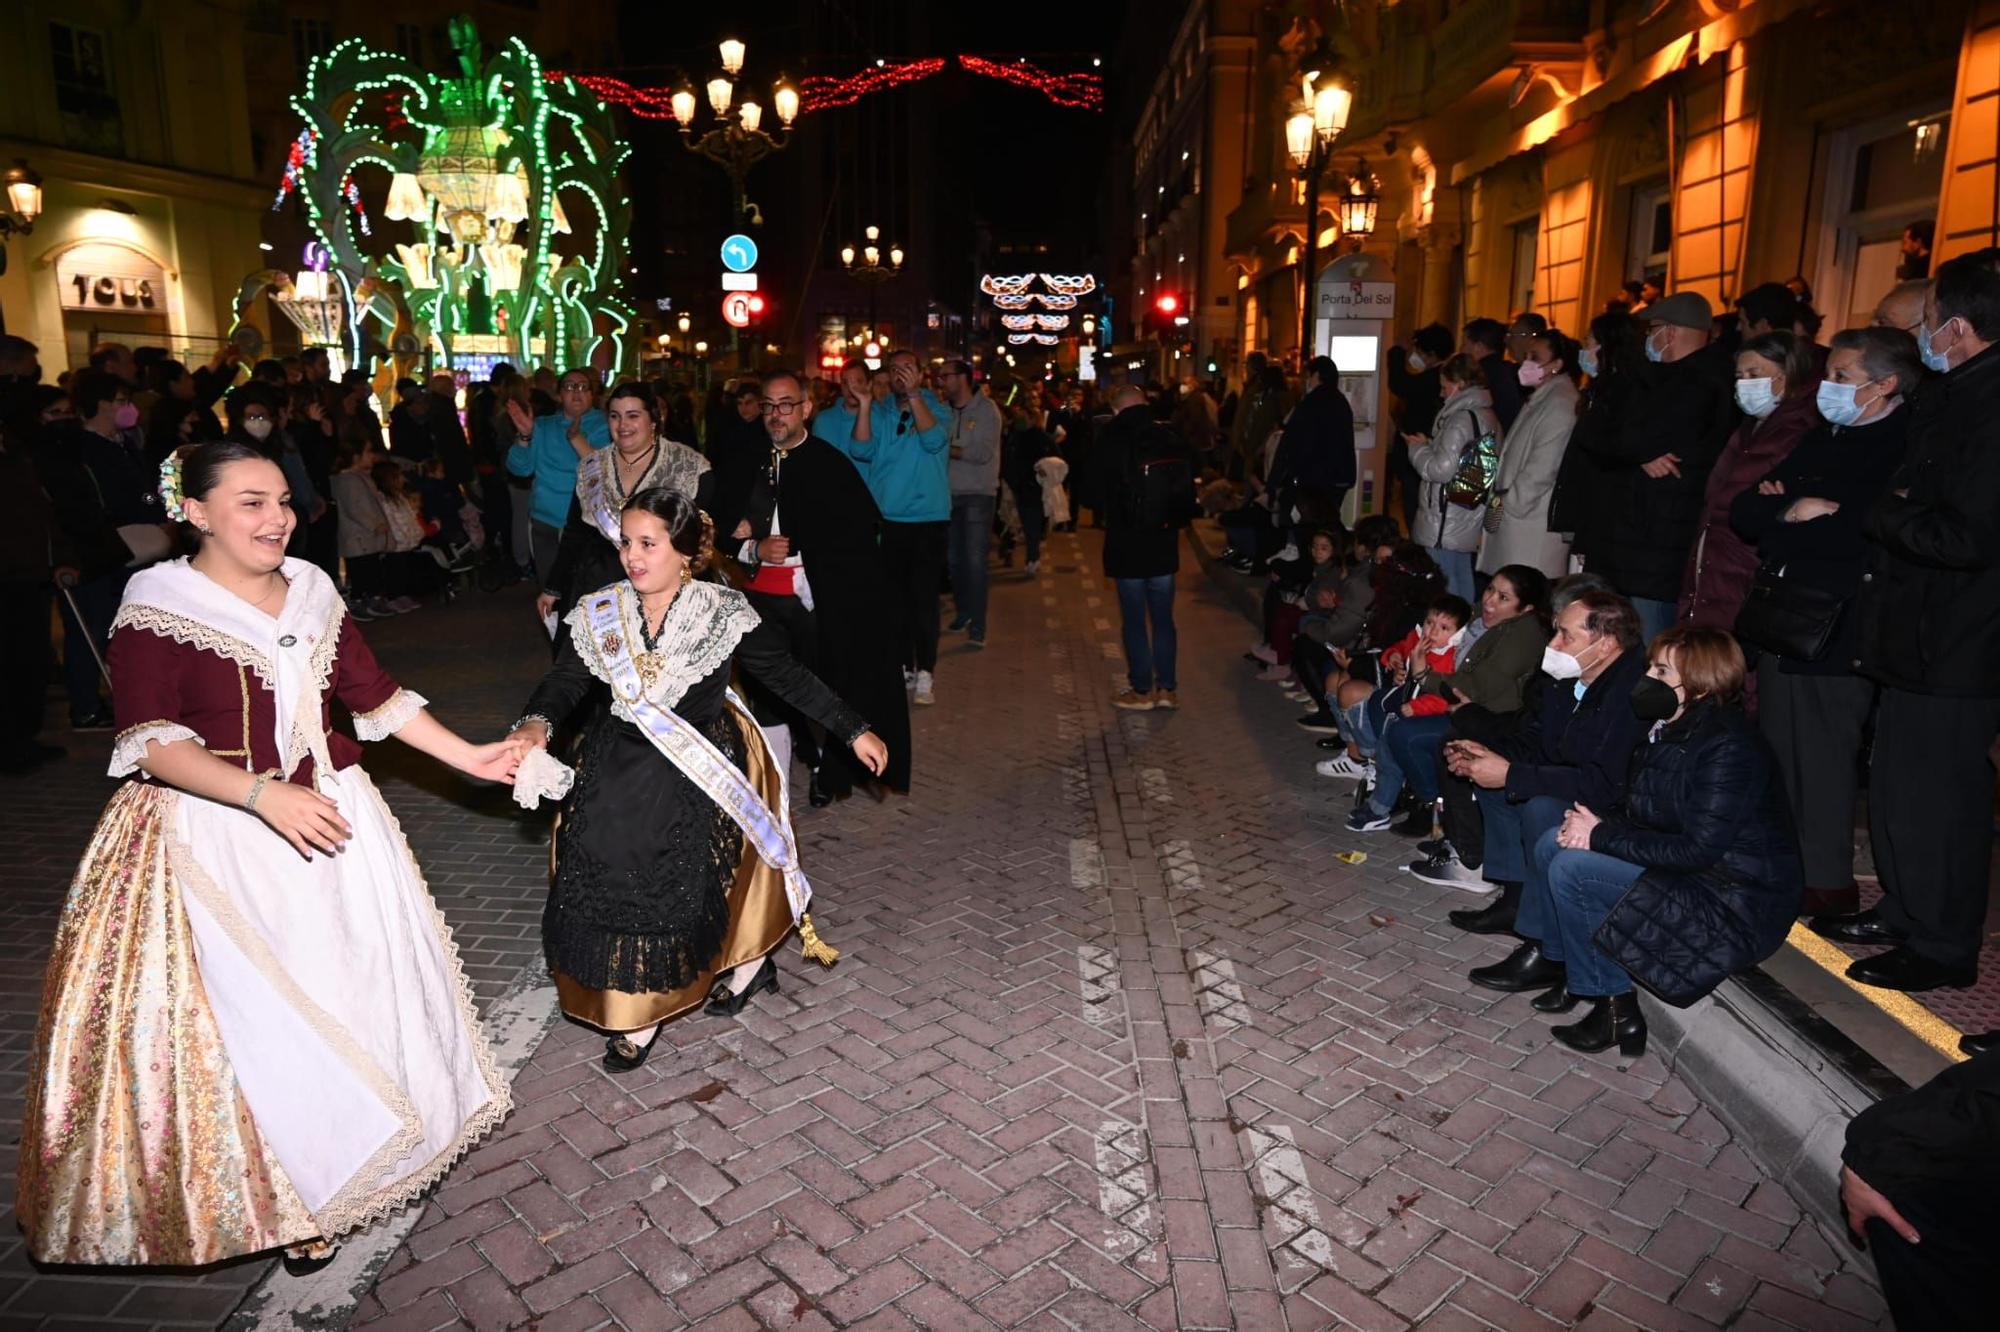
x: 1153, y: 786
x: 1123, y: 1188
x: 1281, y: 1178
x: 1218, y: 995
x: 1178, y: 865
x: 1097, y: 972
x: 1086, y: 863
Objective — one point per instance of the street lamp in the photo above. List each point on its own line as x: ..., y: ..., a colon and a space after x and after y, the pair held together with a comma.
x: 684, y: 323
x: 1358, y: 205
x: 1309, y: 135
x: 869, y: 267
x: 737, y: 142
x: 24, y: 205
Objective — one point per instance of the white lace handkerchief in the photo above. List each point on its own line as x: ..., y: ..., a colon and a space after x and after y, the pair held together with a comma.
x: 541, y: 777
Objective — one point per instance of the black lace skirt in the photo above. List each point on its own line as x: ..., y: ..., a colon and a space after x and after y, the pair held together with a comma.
x: 644, y: 862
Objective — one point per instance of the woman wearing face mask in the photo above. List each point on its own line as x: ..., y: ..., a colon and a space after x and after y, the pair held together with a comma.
x: 257, y: 418
x: 1518, y: 530
x: 1807, y: 516
x: 1449, y: 532
x: 1609, y: 359
x: 1776, y: 374
x: 1695, y: 875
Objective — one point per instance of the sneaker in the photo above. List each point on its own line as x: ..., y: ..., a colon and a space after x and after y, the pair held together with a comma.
x: 1297, y: 696
x: 1166, y: 700
x: 909, y: 678
x: 1275, y: 674
x: 958, y: 622
x: 976, y: 635
x: 1366, y: 819
x: 922, y: 686
x: 1447, y: 872
x: 1436, y: 846
x: 1033, y: 567
x: 1132, y: 700
x: 1265, y: 653
x: 1345, y: 767
x: 1320, y: 723
x: 380, y: 608
x: 404, y: 605
x: 359, y: 611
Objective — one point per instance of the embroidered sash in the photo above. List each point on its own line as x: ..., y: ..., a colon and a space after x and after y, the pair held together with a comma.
x: 594, y: 497
x: 769, y: 831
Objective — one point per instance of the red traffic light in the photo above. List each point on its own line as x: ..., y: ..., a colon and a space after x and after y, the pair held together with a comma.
x: 1167, y: 303
x: 756, y: 304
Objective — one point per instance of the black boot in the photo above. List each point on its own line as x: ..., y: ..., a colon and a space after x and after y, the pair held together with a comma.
x: 816, y: 793
x: 1524, y: 969
x: 1419, y: 821
x: 1615, y: 1019
x: 1497, y: 917
x: 1558, y: 1000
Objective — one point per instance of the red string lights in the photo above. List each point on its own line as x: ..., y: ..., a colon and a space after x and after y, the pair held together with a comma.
x: 820, y: 92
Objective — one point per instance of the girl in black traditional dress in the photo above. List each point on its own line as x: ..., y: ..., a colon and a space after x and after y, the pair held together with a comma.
x: 676, y: 873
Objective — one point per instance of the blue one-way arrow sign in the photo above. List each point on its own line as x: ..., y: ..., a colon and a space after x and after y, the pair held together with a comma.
x: 739, y: 254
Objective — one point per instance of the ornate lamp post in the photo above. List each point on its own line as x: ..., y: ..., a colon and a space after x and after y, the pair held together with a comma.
x: 868, y: 267
x: 1309, y: 135
x: 738, y: 140
x: 23, y: 205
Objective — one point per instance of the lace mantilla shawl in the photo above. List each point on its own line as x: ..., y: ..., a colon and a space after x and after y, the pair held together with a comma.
x: 677, y: 467
x: 703, y: 627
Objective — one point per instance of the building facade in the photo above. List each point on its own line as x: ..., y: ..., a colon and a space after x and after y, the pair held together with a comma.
x: 1537, y: 154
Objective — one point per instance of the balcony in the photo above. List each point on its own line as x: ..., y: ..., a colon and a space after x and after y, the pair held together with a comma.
x: 1425, y: 66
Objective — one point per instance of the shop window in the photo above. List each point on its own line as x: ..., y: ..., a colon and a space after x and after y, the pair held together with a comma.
x: 85, y: 96
x: 310, y: 37
x: 1882, y: 176
x: 1521, y: 289
x: 1251, y: 339
x: 1652, y: 235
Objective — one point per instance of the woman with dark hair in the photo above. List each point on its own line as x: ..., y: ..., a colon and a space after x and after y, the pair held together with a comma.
x: 1694, y: 877
x: 1449, y: 532
x: 1517, y: 517
x: 290, y: 1051
x: 640, y: 458
x: 1609, y: 358
x: 676, y: 874
x: 1776, y: 380
x: 1413, y: 378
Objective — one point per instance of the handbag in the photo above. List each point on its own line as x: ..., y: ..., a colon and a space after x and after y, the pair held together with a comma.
x: 1787, y: 617
x: 1478, y: 464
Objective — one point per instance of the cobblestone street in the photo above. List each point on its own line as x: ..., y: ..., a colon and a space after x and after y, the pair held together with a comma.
x: 1114, y: 1041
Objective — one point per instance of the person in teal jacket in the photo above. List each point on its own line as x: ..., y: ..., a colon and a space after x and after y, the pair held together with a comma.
x: 548, y: 452
x: 904, y: 461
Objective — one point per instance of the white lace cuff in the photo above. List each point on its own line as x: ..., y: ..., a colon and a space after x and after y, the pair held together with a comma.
x: 383, y: 722
x: 131, y: 744
x: 541, y: 777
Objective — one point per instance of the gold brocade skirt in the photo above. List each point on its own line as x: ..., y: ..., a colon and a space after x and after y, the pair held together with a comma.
x: 137, y: 1145
x: 760, y: 916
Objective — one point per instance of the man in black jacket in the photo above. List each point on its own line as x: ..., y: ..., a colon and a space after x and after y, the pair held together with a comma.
x: 1666, y: 440
x: 1141, y: 551
x: 1313, y: 468
x: 1930, y: 634
x: 1483, y: 341
x: 1575, y: 749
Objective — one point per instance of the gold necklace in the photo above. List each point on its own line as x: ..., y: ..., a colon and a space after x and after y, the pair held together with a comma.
x: 650, y: 661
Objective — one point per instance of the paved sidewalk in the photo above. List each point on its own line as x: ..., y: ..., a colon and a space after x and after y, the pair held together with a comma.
x: 1114, y: 1042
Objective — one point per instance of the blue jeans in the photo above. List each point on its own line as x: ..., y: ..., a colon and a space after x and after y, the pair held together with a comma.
x: 971, y: 537
x: 1457, y: 567
x: 1653, y: 615
x: 97, y: 599
x: 1511, y: 833
x: 1361, y: 723
x: 1584, y: 886
x: 1408, y: 753
x: 1148, y: 661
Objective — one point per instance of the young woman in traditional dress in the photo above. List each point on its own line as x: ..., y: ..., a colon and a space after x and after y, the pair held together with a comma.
x: 676, y: 872
x: 255, y: 1030
x: 639, y: 458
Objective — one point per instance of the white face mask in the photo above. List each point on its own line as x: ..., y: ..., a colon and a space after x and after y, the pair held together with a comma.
x: 1755, y: 397
x: 1559, y: 664
x: 259, y: 429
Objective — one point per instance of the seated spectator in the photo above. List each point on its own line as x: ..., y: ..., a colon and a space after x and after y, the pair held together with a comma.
x: 1403, y: 717
x: 441, y: 502
x: 1401, y: 584
x: 1286, y: 600
x: 1337, y: 615
x: 1692, y: 877
x: 1809, y: 516
x: 1448, y: 532
x: 1575, y: 747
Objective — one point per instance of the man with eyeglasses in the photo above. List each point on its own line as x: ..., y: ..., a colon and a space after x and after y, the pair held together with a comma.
x: 976, y: 429
x: 809, y: 540
x: 900, y: 444
x: 549, y: 450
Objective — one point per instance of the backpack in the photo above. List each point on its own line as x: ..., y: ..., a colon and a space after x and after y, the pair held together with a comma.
x: 1161, y: 492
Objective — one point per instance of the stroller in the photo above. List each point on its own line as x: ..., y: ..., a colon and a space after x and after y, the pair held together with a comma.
x: 1050, y: 473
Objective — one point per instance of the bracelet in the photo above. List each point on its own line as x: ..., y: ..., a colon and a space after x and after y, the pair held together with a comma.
x: 257, y: 789
x: 521, y: 721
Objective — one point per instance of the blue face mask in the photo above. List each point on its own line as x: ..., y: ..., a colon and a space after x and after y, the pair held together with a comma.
x: 1652, y: 351
x: 1586, y: 361
x: 1836, y: 403
x: 1933, y: 359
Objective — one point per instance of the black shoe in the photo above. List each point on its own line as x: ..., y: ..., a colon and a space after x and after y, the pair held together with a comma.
x: 1612, y: 1020
x: 1321, y: 721
x: 1863, y: 927
x: 101, y: 720
x: 816, y: 793
x: 1901, y: 969
x: 1495, y: 918
x: 1979, y: 1043
x: 721, y: 1003
x: 1333, y: 742
x: 622, y: 1056
x: 1557, y: 1000
x: 1435, y: 846
x: 1524, y: 969
x: 1420, y: 822
x: 305, y: 1265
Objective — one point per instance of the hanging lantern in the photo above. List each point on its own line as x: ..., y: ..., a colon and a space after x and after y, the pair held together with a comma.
x: 416, y: 261
x: 509, y: 202
x: 503, y: 265
x: 1357, y: 210
x: 460, y: 166
x: 406, y: 200
x: 1299, y: 138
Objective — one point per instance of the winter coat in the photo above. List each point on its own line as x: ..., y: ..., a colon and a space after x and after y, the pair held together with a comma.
x: 1497, y: 665
x: 1316, y: 453
x: 1578, y: 749
x: 1529, y: 463
x: 1503, y: 381
x: 1706, y: 815
x: 1720, y: 564
x: 1930, y: 603
x: 1128, y: 440
x: 1850, y: 466
x: 1686, y: 408
x: 1465, y: 416
x: 1403, y: 585
x: 1341, y: 626
x: 1586, y: 482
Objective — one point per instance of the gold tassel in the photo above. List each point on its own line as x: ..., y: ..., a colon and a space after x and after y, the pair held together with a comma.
x: 815, y: 948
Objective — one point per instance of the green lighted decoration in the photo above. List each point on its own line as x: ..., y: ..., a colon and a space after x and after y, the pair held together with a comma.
x: 480, y: 165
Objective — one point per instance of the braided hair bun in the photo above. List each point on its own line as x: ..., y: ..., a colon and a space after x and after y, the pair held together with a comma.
x: 691, y: 531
